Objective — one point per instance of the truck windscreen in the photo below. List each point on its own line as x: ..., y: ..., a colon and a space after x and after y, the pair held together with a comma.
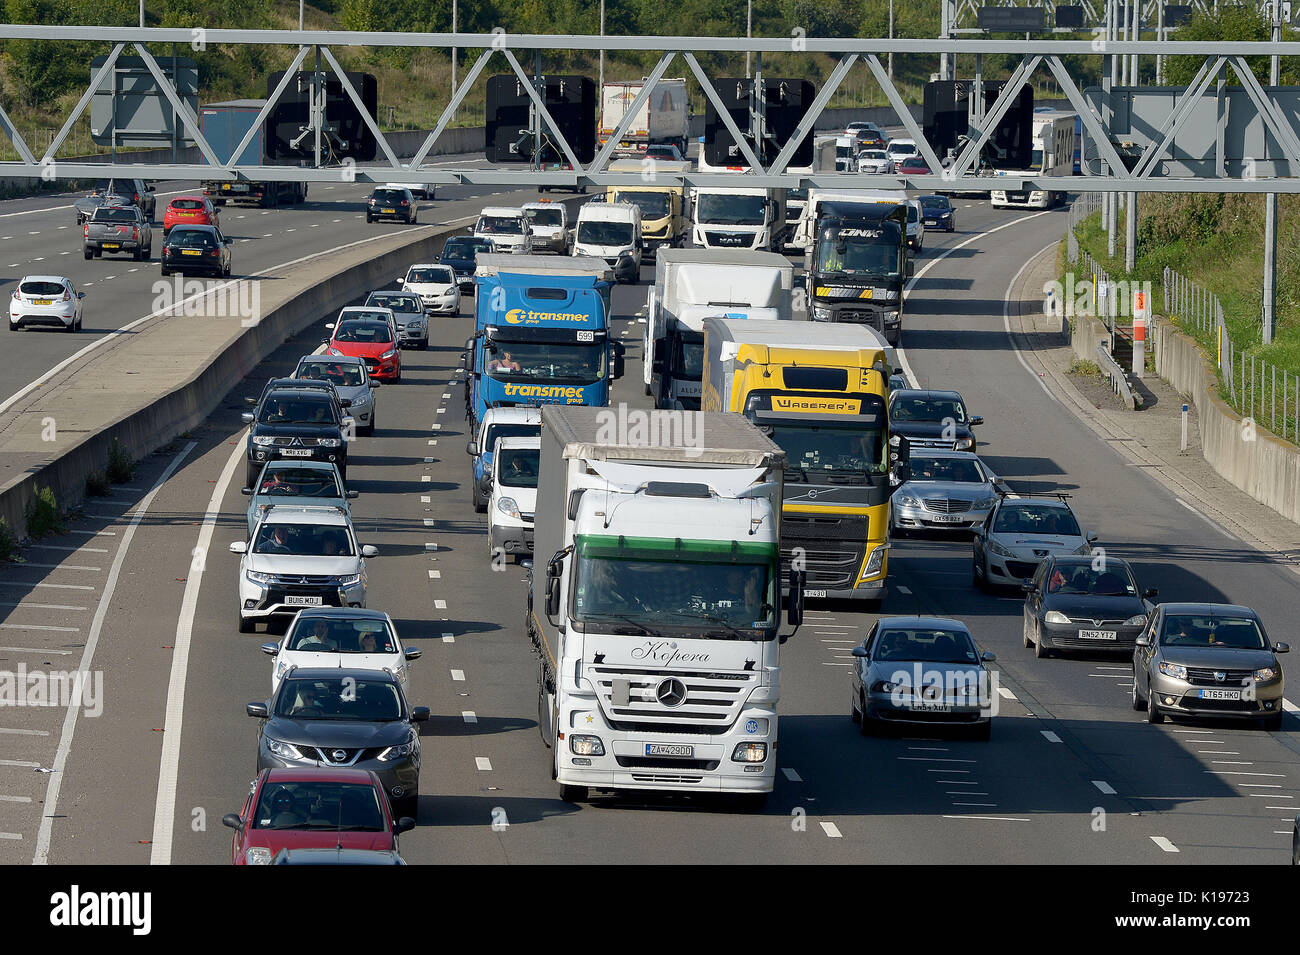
x: 575, y: 364
x: 688, y: 358
x: 848, y: 453
x: 653, y: 205
x: 719, y: 209
x: 859, y: 256
x: 657, y: 592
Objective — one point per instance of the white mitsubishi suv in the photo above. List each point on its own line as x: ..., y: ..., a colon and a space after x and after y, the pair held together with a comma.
x: 300, y: 557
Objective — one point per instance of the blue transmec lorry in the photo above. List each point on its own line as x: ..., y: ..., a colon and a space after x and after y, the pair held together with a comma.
x: 541, y: 333
x: 223, y: 125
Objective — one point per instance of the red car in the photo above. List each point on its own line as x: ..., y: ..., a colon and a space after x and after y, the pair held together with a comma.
x: 190, y: 210
x: 371, y: 340
x: 313, y: 809
x: 913, y: 166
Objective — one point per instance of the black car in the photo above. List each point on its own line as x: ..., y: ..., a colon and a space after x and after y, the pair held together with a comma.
x: 389, y: 203
x: 196, y: 248
x: 937, y: 212
x: 313, y: 384
x: 341, y: 716
x: 1084, y: 603
x: 296, y: 423
x: 931, y: 419
x: 460, y: 252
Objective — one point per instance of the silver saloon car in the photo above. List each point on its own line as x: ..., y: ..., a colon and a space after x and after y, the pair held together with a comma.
x: 1200, y: 659
x: 921, y: 670
x: 947, y: 490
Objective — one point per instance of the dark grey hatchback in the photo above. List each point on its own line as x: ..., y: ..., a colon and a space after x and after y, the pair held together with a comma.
x: 342, y: 717
x: 1079, y: 602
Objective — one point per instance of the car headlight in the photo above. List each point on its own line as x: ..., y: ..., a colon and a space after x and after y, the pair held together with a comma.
x: 281, y: 668
x: 1055, y: 616
x: 388, y: 354
x: 363, y: 399
x: 1175, y: 670
x: 875, y: 561
x: 258, y: 855
x: 347, y: 580
x: 984, y: 503
x: 999, y: 549
x: 329, y: 442
x: 282, y: 749
x: 508, y: 506
x: 965, y: 444
x: 884, y: 686
x: 1135, y: 621
x: 907, y: 500
x: 262, y: 440
x: 258, y: 577
x: 1265, y: 674
x: 749, y: 753
x: 399, y: 752
x: 333, y: 351
x: 586, y: 746
x: 1084, y: 549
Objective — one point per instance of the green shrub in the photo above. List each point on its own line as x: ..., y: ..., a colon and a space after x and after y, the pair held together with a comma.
x: 43, y: 515
x: 96, y: 484
x: 8, y: 542
x: 121, y: 466
x: 1084, y: 368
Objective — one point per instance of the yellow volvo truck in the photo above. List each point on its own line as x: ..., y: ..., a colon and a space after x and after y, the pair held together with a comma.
x: 820, y: 392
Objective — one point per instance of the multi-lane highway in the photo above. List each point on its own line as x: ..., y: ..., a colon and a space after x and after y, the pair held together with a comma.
x: 144, y: 590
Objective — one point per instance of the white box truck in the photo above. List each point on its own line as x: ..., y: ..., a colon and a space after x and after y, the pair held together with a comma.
x: 655, y: 601
x: 663, y: 118
x: 692, y: 285
x: 738, y: 217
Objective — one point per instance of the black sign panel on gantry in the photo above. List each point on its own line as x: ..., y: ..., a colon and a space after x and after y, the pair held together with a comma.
x: 571, y: 101
x: 292, y: 115
x: 1012, y: 19
x: 946, y: 120
x: 1069, y: 17
x: 786, y: 102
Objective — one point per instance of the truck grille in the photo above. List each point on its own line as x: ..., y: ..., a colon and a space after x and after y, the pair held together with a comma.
x: 936, y: 443
x: 833, y: 549
x: 946, y: 505
x: 730, y: 240
x: 859, y: 316
x: 712, y: 702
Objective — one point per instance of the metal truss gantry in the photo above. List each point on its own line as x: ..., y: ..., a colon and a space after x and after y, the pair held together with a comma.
x: 960, y: 172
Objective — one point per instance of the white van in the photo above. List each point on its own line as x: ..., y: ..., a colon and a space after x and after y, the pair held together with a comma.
x: 507, y: 228
x: 611, y: 231
x: 549, y: 222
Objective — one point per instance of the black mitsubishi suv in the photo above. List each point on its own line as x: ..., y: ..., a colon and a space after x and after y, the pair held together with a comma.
x: 294, y: 424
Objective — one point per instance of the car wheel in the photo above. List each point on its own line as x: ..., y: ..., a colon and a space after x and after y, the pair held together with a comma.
x: 867, y: 726
x: 480, y: 505
x: 1272, y: 723
x: 408, y: 806
x: 71, y: 326
x: 573, y: 793
x: 1024, y: 633
x: 88, y: 253
x: 1040, y: 651
x: 369, y: 429
x: 137, y: 253
x: 164, y: 269
x: 369, y: 217
x: 225, y: 272
x: 13, y: 327
x: 99, y: 253
x: 250, y: 475
x: 1153, y: 711
x: 979, y: 574
x: 246, y: 625
x: 1139, y: 704
x: 148, y: 252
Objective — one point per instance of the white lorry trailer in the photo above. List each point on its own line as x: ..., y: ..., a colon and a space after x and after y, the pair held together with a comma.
x: 692, y: 285
x: 663, y: 118
x: 655, y: 601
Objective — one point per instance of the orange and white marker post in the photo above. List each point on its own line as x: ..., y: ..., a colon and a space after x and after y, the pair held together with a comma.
x: 1140, y: 306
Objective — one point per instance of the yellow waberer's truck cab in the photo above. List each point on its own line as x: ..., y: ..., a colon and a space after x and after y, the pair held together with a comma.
x: 819, y: 391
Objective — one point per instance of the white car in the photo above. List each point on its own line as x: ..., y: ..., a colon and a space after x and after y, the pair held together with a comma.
x: 915, y: 226
x: 300, y: 557
x: 514, y: 496
x: 46, y: 300
x: 419, y: 190
x: 346, y: 637
x: 436, y: 285
x: 550, y: 224
x: 900, y: 149
x: 875, y: 161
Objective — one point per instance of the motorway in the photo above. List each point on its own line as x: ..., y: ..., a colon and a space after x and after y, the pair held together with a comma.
x: 144, y: 590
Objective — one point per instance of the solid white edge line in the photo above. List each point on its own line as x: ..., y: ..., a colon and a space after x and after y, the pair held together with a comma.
x: 50, y: 808
x: 900, y: 351
x: 164, y: 813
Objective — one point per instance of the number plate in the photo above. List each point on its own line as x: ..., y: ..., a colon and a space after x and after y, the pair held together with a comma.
x: 295, y: 453
x: 293, y: 601
x: 1220, y: 694
x: 945, y: 518
x: 1097, y: 635
x: 237, y: 187
x: 814, y: 593
x: 43, y: 301
x: 931, y: 706
x: 931, y: 221
x: 678, y: 750
x: 388, y: 212
x: 110, y: 245
x: 191, y: 252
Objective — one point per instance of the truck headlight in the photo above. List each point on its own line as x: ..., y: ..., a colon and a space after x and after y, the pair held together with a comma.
x: 821, y: 314
x: 586, y: 746
x: 875, y: 561
x: 258, y: 855
x: 890, y: 318
x: 749, y: 753
x: 1055, y: 616
x: 1175, y: 670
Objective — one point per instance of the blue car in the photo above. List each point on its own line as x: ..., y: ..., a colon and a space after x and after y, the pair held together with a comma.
x: 310, y: 483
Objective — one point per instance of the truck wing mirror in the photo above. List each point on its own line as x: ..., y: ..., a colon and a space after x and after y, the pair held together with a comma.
x: 552, y: 594
x: 794, y: 606
x: 619, y: 362
x: 911, y: 266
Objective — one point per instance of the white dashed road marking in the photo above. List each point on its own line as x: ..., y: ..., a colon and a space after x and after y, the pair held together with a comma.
x: 1164, y: 843
x: 832, y: 831
x: 1104, y: 786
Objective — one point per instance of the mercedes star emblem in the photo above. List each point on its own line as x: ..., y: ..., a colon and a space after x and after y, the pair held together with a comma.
x: 671, y: 692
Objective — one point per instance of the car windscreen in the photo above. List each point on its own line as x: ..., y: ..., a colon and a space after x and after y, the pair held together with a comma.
x: 935, y: 204
x: 462, y: 248
x: 441, y: 276
x: 909, y: 408
x: 1208, y: 630
x: 344, y: 698
x: 42, y: 289
x: 293, y: 481
x: 365, y: 333
x: 340, y: 373
x: 1112, y: 581
x: 1038, y: 519
x: 355, y: 314
x: 303, y: 540
x: 191, y: 239
x: 297, y: 410
x: 546, y: 217
x: 518, y: 467
x: 318, y: 804
x: 332, y: 635
x: 955, y: 470
x: 396, y: 302
x: 114, y: 214
x: 905, y: 644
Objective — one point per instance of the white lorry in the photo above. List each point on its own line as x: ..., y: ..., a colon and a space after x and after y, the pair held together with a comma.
x: 655, y: 601
x: 692, y: 285
x: 663, y: 118
x: 840, y: 202
x: 1053, y: 155
x: 738, y: 217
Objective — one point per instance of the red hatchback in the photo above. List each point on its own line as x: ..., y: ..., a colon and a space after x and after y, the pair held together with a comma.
x: 913, y: 166
x: 190, y: 210
x: 370, y: 340
x: 313, y: 809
